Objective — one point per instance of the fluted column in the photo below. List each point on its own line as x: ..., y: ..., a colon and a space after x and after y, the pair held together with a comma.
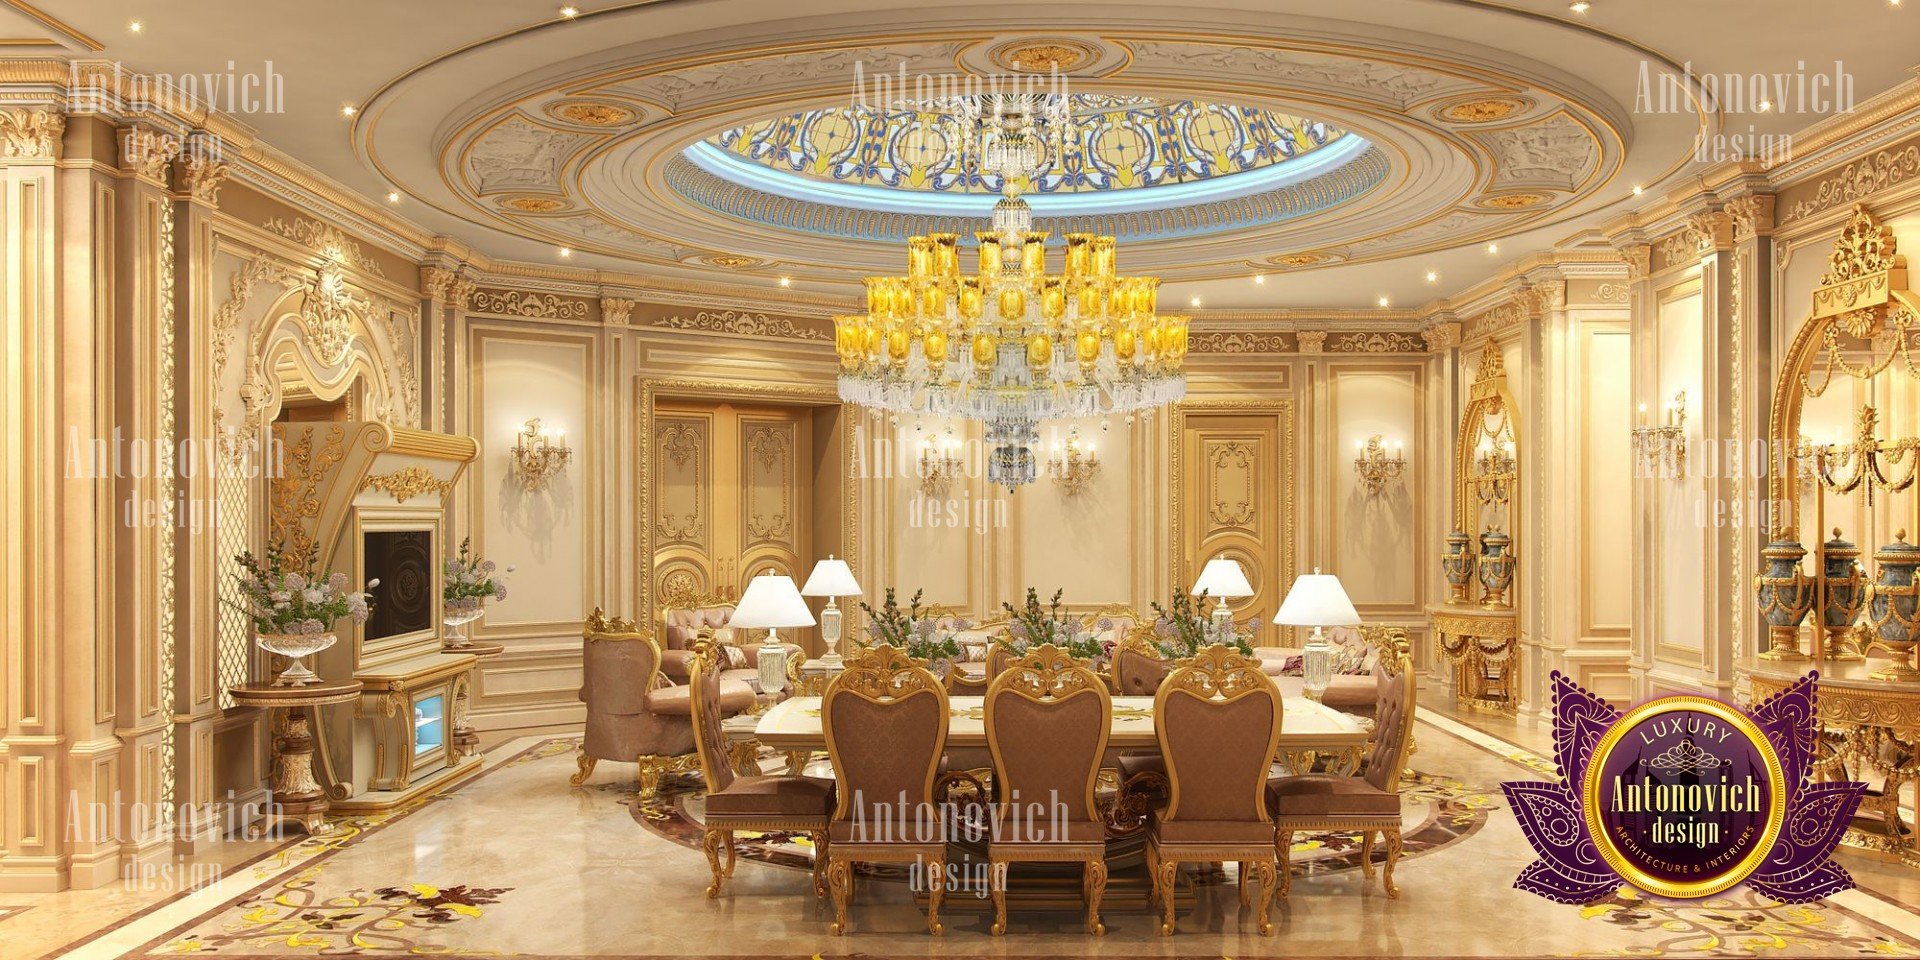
x: 34, y: 744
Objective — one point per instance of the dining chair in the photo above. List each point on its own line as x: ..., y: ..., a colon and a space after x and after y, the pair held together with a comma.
x: 634, y: 715
x: 1047, y: 720
x: 786, y: 803
x: 1369, y: 802
x: 1218, y: 722
x: 1138, y: 667
x: 885, y: 720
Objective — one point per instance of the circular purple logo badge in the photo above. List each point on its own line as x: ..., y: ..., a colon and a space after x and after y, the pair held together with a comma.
x: 1684, y: 796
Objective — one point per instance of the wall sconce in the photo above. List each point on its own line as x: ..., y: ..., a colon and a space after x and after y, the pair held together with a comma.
x: 1493, y: 471
x: 938, y: 467
x: 539, y: 454
x: 1075, y: 465
x: 1662, y: 450
x: 1375, y: 468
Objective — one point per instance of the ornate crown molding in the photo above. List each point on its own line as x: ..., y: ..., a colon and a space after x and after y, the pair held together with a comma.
x: 743, y: 324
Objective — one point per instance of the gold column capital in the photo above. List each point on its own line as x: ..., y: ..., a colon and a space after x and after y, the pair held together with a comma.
x: 30, y: 133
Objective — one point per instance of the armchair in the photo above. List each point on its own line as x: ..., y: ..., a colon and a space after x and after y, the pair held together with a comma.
x: 1047, y: 721
x: 1369, y: 802
x: 1218, y: 722
x: 633, y: 713
x: 885, y: 721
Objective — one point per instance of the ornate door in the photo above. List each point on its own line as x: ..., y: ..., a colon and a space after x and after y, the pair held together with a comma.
x: 730, y: 495
x: 1234, y: 478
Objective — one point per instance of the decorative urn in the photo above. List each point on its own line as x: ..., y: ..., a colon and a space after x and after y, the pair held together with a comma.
x: 1892, y: 610
x: 296, y: 647
x: 1844, y: 590
x: 1496, y: 569
x: 1457, y: 564
x: 1785, y: 595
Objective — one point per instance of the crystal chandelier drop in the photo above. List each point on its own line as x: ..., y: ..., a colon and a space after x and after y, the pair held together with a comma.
x: 1013, y: 345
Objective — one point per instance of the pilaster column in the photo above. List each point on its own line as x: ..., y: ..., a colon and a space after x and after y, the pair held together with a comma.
x: 1720, y: 419
x: 1750, y: 349
x: 33, y: 745
x: 1443, y: 418
x: 1550, y: 455
x: 1643, y: 329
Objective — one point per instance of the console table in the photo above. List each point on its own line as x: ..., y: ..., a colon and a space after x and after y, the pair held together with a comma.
x: 1483, y: 645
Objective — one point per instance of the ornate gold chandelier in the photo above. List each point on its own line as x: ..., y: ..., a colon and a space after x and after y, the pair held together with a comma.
x: 1013, y: 345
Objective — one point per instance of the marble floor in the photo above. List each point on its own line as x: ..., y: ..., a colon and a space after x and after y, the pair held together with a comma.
x: 516, y: 861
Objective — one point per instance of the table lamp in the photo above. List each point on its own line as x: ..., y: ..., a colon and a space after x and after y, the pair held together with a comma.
x: 1317, y: 600
x: 1223, y: 580
x: 831, y: 578
x: 771, y: 601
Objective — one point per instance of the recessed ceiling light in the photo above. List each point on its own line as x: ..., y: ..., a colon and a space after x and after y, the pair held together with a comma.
x: 1433, y: 276
x: 569, y: 12
x: 1384, y: 302
x: 1579, y: 6
x: 1194, y: 302
x: 1493, y: 248
x: 1638, y: 189
x: 348, y: 109
x: 1260, y: 278
x: 136, y: 26
x: 393, y: 196
x: 786, y: 281
x: 566, y: 253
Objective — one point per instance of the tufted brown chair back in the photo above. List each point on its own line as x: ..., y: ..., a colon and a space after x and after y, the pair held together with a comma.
x: 1218, y: 722
x: 886, y: 725
x: 1393, y: 717
x: 683, y: 617
x: 1138, y: 667
x: 708, y: 737
x: 1047, y: 720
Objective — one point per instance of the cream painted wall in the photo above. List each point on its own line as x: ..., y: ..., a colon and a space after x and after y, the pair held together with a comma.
x: 538, y: 530
x: 1374, y: 534
x: 1681, y: 553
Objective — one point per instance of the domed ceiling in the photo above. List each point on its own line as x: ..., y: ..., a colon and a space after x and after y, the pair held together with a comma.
x: 1135, y: 167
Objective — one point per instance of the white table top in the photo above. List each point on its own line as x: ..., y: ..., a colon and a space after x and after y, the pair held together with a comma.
x: 794, y: 724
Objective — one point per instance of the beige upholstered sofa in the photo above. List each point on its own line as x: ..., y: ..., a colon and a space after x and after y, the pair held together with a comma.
x: 686, y: 619
x: 1353, y: 690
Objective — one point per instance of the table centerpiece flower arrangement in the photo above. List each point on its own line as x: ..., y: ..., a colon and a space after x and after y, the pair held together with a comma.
x: 912, y: 632
x: 293, y: 609
x: 1032, y: 624
x: 1180, y: 629
x: 469, y: 581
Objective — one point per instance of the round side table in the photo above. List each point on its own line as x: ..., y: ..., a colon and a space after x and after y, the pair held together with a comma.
x: 297, y: 795
x: 466, y: 742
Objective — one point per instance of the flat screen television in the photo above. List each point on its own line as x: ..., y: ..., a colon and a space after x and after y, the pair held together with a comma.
x: 405, y: 601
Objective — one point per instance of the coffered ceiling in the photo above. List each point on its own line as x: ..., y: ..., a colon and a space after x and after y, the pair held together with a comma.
x: 1342, y: 152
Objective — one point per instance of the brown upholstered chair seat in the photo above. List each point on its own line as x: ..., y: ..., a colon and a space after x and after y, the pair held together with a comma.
x: 1038, y: 830
x: 677, y: 701
x: 780, y: 796
x: 1325, y: 795
x: 1131, y: 764
x: 1207, y: 832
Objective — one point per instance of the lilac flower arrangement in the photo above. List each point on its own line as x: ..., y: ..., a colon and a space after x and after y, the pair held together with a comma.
x: 281, y: 599
x: 1181, y: 629
x: 470, y: 579
x: 1032, y: 624
x: 918, y: 636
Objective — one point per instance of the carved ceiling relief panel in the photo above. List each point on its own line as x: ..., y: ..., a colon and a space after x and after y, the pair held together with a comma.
x: 1557, y: 151
x: 769, y: 482
x: 517, y: 154
x: 1232, y: 486
x: 684, y: 465
x: 1391, y: 83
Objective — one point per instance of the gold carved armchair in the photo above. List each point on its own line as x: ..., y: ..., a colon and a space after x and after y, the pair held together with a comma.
x: 633, y: 714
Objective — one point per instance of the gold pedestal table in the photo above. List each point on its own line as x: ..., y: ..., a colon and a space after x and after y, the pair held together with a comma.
x: 297, y: 796
x: 466, y: 741
x: 1869, y: 731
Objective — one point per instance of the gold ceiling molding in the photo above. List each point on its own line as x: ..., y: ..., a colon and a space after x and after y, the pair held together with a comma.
x: 1301, y: 259
x: 1512, y: 201
x: 1377, y: 343
x: 1042, y: 55
x: 1858, y: 181
x: 743, y: 324
x: 408, y: 482
x: 326, y: 239
x: 531, y: 204
x: 62, y: 28
x: 1241, y: 343
x: 538, y: 306
x: 1483, y: 110
x: 593, y: 113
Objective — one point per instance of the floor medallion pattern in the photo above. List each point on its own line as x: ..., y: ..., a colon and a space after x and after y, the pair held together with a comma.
x: 1739, y: 923
x: 297, y: 917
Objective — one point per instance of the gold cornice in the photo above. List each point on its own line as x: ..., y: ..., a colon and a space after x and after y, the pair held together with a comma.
x: 72, y: 34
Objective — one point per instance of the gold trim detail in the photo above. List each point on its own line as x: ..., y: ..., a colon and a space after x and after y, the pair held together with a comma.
x: 408, y: 482
x: 743, y: 324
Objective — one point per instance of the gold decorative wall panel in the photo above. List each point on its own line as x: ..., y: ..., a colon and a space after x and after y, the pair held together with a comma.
x: 1233, y: 490
x: 728, y: 485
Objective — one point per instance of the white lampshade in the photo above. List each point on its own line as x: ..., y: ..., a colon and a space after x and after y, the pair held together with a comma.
x: 1317, y: 600
x: 771, y: 601
x: 831, y: 578
x: 1222, y: 579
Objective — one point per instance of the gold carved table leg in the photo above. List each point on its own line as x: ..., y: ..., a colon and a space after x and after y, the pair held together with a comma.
x: 297, y: 797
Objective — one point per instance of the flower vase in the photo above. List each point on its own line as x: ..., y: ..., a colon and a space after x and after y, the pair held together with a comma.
x: 456, y: 616
x: 296, y: 647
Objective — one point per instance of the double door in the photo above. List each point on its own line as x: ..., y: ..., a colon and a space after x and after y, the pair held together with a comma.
x: 1236, y: 501
x: 732, y: 496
